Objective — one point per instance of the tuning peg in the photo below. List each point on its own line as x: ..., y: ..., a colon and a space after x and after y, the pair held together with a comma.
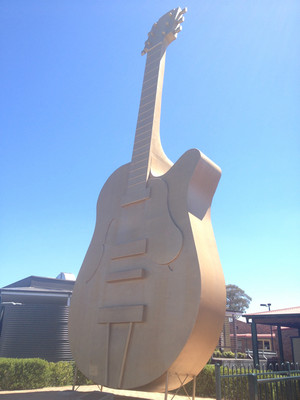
x: 182, y: 11
x: 178, y: 29
x: 180, y: 20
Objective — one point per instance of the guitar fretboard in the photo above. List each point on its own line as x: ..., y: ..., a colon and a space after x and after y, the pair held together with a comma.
x: 148, y: 120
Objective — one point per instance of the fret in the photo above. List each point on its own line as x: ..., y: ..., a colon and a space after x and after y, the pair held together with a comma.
x: 140, y: 154
x: 151, y: 71
x: 152, y: 63
x: 144, y: 130
x: 139, y: 159
x: 149, y: 82
x: 153, y: 59
x: 145, y: 117
x: 142, y: 140
x: 138, y: 168
x: 147, y: 107
x: 147, y: 100
x: 150, y: 85
x: 150, y: 91
x: 146, y: 110
x: 144, y: 134
x: 137, y: 148
x: 136, y: 165
x: 137, y: 185
x: 138, y: 172
x: 137, y: 179
x: 145, y: 127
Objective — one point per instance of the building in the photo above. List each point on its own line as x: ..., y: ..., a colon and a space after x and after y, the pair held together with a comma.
x: 34, y: 318
x: 277, y: 330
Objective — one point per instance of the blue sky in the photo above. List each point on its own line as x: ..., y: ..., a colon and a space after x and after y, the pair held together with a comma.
x: 71, y: 76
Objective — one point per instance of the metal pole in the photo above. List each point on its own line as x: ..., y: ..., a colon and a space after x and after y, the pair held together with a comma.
x: 281, y: 355
x: 254, y: 344
x: 253, y: 392
x: 271, y: 328
x: 218, y: 381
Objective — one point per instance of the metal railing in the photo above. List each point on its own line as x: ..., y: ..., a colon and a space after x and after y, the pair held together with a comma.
x: 278, y: 382
x: 262, y: 354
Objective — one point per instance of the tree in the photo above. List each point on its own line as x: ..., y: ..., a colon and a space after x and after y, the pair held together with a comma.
x: 236, y: 299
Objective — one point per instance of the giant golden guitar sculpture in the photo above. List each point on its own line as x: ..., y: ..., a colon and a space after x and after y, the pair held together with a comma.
x: 149, y: 300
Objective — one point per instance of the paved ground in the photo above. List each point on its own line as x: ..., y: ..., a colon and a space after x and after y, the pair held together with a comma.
x: 82, y: 393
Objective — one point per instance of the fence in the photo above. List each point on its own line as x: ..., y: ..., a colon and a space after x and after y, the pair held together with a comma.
x: 278, y: 382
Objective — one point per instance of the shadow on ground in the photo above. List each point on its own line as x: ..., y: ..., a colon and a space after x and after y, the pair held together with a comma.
x: 63, y: 395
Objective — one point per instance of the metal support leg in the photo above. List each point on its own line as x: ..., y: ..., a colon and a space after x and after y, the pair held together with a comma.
x: 75, y: 377
x: 194, y: 387
x: 166, y: 387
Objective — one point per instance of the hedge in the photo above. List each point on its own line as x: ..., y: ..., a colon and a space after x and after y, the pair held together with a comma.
x: 228, y: 354
x: 205, y: 383
x: 235, y: 388
x: 34, y: 373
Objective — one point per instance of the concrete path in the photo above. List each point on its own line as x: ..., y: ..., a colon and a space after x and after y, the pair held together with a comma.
x: 90, y: 392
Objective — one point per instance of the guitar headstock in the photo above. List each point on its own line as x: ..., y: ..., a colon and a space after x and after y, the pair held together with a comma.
x: 165, y: 29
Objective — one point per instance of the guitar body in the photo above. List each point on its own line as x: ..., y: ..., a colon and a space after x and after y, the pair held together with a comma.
x: 150, y: 296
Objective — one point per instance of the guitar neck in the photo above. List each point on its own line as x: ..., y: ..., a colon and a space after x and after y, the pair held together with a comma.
x: 147, y: 128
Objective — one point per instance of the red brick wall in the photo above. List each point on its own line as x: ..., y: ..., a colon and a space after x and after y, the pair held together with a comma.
x: 287, y: 343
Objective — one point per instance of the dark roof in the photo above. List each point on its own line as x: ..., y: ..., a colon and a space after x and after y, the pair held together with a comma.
x: 43, y: 283
x: 289, y: 317
x: 37, y: 289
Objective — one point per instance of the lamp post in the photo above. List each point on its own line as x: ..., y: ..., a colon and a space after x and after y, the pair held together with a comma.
x: 271, y: 329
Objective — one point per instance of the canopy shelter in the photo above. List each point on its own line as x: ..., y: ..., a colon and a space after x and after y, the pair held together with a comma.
x: 288, y: 317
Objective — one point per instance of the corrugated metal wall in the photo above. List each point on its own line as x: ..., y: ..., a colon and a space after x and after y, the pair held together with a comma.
x: 35, y: 330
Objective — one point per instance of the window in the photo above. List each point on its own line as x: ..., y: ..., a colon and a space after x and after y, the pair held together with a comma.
x: 264, y: 344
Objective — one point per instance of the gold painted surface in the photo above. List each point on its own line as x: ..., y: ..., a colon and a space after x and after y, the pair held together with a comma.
x: 152, y: 216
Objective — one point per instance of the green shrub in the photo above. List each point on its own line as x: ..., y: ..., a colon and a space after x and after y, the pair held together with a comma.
x: 205, y: 383
x: 6, y: 372
x: 34, y: 373
x: 228, y: 354
x: 217, y: 354
x: 24, y: 373
x: 61, y: 373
